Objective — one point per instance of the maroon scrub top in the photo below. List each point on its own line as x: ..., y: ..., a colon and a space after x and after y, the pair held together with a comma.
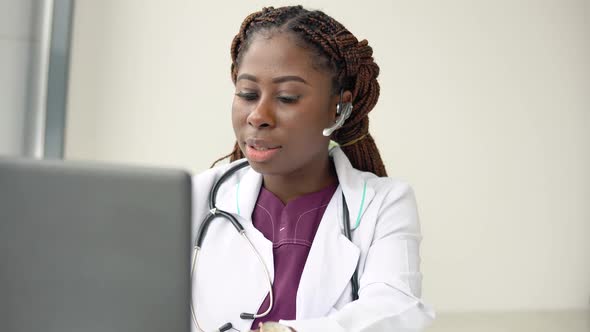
x: 291, y: 228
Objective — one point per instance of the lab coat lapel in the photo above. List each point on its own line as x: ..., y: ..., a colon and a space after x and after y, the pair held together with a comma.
x: 333, y: 258
x: 329, y: 266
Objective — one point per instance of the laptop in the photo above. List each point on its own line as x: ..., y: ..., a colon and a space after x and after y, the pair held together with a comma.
x: 93, y: 247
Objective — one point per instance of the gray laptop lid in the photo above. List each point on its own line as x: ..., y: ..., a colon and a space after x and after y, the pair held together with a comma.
x: 91, y: 247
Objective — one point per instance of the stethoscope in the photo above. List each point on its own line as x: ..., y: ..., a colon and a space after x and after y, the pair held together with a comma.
x: 214, y: 212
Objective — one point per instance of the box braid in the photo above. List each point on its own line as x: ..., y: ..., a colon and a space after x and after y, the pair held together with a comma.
x: 350, y: 61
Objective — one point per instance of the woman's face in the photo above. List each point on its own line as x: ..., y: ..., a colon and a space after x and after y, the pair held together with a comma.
x: 281, y: 105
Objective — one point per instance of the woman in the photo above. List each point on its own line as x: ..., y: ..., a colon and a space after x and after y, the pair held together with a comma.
x: 301, y: 80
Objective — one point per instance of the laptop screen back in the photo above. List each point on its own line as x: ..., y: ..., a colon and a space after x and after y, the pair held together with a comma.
x: 91, y: 247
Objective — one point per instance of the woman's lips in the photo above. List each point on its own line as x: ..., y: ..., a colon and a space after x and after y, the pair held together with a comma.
x: 259, y: 150
x: 260, y: 154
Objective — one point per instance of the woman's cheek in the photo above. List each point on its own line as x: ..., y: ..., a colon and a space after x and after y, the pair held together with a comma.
x: 239, y: 114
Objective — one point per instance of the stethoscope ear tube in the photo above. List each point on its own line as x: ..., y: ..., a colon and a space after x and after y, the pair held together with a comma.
x: 213, y: 211
x: 230, y: 172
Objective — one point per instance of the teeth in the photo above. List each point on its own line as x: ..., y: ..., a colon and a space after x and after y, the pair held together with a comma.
x: 261, y: 149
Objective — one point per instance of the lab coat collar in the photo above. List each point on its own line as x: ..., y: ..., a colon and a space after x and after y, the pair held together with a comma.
x: 353, y: 183
x: 240, y: 198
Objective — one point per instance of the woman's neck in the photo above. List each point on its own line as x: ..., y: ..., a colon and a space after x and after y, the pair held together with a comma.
x: 303, y: 181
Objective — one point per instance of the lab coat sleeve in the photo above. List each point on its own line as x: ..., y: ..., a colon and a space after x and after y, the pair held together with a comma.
x: 390, y: 284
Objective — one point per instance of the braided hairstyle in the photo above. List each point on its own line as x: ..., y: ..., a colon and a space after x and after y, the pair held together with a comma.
x: 348, y: 60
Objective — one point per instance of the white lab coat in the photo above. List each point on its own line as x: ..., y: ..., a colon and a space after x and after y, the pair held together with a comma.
x: 230, y: 280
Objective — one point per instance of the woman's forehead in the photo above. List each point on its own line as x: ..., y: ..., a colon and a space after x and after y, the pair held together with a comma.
x: 279, y: 54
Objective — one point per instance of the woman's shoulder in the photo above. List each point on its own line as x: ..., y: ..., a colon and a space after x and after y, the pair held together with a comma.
x: 381, y: 186
x: 390, y: 186
x: 358, y: 178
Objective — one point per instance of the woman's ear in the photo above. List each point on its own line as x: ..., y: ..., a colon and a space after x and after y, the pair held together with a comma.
x: 344, y: 97
x: 340, y: 113
x: 347, y: 96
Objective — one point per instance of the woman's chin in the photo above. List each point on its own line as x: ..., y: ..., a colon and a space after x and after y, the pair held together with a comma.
x: 264, y: 168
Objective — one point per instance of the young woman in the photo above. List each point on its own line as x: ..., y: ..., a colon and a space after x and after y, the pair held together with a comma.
x: 293, y: 231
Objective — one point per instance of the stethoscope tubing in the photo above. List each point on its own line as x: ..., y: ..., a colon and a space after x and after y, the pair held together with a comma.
x: 215, y: 212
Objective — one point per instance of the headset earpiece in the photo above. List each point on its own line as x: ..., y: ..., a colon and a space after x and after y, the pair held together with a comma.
x: 343, y: 112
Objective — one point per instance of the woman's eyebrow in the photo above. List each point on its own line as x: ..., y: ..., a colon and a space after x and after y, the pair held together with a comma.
x: 276, y: 80
x: 247, y: 77
x: 283, y: 79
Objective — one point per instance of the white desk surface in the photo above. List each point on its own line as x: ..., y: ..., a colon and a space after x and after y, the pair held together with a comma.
x: 540, y: 321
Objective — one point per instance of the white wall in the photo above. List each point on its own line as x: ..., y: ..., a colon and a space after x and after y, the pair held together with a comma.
x: 17, y: 40
x: 485, y: 108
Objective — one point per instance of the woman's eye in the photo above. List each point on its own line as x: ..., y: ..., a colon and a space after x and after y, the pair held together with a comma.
x: 247, y: 95
x: 288, y: 99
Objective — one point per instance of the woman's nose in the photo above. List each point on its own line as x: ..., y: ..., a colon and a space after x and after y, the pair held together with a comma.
x: 262, y: 115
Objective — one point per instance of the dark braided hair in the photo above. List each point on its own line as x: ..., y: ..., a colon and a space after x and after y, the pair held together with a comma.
x: 350, y: 62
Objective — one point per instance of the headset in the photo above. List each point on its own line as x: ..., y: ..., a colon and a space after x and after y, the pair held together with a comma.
x: 344, y: 112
